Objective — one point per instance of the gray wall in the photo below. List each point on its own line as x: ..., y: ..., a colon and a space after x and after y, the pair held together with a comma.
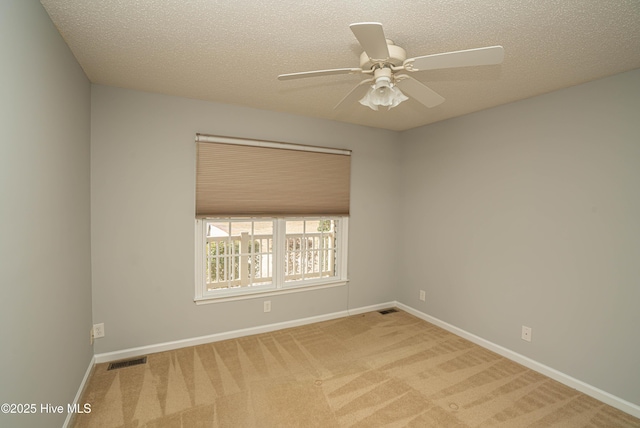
x: 45, y: 291
x: 142, y: 201
x: 529, y: 214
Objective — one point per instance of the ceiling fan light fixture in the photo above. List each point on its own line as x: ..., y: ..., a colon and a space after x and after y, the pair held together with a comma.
x: 383, y: 93
x: 382, y: 58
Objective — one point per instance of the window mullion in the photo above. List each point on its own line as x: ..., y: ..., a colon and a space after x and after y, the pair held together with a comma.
x: 342, y: 245
x: 279, y: 241
x: 303, y: 250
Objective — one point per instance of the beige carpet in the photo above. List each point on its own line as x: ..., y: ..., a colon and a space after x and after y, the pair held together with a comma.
x: 368, y: 370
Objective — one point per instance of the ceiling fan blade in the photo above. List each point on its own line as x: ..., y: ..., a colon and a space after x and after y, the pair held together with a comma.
x: 303, y: 74
x: 356, y: 93
x: 371, y: 38
x: 419, y: 92
x: 470, y: 57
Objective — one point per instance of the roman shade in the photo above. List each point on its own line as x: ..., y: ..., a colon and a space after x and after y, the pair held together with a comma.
x: 236, y: 177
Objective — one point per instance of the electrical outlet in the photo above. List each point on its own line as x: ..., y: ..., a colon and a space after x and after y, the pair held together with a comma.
x: 98, y: 330
x: 267, y: 305
x: 423, y: 295
x: 526, y: 333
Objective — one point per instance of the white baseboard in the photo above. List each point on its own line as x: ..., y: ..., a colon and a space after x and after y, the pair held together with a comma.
x: 377, y: 307
x: 592, y: 391
x: 168, y: 346
x: 81, y: 389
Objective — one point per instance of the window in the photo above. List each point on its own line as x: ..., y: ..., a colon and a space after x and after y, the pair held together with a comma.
x: 243, y: 256
x: 270, y: 217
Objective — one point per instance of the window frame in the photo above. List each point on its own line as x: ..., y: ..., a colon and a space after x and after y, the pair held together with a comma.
x: 278, y: 285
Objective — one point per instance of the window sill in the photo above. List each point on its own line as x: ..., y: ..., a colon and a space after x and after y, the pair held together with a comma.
x: 266, y: 293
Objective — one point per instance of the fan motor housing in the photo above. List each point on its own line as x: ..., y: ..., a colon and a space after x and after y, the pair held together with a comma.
x: 397, y: 55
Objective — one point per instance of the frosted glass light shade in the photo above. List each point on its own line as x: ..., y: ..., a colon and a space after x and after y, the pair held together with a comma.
x: 383, y: 93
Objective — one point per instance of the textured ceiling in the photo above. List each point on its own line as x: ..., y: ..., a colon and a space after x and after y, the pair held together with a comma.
x: 232, y: 51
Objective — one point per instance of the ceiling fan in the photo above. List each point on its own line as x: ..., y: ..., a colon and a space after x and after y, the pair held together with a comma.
x: 386, y: 64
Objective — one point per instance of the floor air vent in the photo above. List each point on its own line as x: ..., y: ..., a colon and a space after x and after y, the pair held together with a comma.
x: 388, y: 311
x: 127, y: 363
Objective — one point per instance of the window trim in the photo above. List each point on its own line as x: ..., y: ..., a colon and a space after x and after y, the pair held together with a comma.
x: 278, y: 286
